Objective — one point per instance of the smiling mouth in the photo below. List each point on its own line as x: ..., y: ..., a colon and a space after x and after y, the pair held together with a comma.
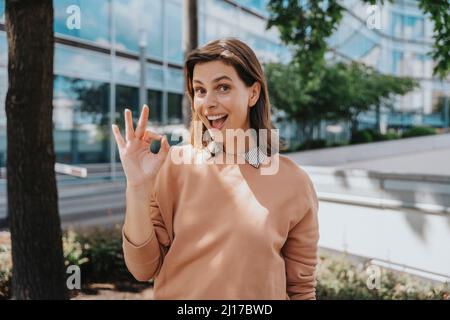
x: 218, y: 121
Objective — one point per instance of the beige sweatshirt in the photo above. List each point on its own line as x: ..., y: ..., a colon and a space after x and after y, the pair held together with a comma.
x: 225, y: 231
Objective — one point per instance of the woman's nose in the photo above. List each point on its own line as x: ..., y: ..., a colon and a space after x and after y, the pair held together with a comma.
x: 210, y: 100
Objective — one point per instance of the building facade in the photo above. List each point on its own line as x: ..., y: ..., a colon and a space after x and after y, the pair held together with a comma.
x: 97, y: 61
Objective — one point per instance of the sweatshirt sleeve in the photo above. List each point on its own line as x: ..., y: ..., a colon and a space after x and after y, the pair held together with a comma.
x: 144, y: 261
x: 300, y: 252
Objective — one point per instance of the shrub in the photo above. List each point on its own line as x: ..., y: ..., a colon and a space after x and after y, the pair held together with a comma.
x: 338, y: 278
x: 313, y: 144
x: 5, y: 270
x: 361, y: 136
x: 99, y: 254
x: 338, y: 144
x: 391, y: 135
x: 418, y: 131
x: 102, y: 256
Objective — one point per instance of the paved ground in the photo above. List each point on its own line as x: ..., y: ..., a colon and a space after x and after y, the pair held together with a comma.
x: 420, y: 155
x: 429, y: 162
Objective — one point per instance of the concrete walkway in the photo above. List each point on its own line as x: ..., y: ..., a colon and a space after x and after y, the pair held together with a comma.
x: 421, y: 155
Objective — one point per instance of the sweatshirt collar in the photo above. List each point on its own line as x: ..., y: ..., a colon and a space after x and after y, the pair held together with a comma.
x: 255, y: 156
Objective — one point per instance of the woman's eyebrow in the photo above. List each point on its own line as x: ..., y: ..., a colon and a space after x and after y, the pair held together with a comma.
x: 222, y: 78
x: 215, y: 80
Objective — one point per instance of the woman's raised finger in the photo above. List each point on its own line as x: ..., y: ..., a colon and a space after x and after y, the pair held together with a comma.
x: 142, y: 123
x: 118, y: 136
x: 150, y: 135
x: 129, y: 131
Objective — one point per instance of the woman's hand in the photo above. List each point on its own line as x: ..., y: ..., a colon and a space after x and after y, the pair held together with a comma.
x: 139, y: 164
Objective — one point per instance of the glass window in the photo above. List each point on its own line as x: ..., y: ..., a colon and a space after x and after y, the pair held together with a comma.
x: 175, y: 80
x: 127, y: 71
x: 174, y: 20
x: 155, y: 76
x: 260, y: 6
x: 131, y: 16
x: 3, y: 50
x: 413, y: 27
x: 220, y: 9
x: 174, y: 107
x: 127, y: 97
x: 93, y: 17
x: 409, y: 27
x: 81, y: 120
x: 396, y: 25
x: 81, y: 63
x: 155, y: 104
x: 3, y: 89
x: 397, y: 58
x: 357, y: 46
x: 2, y: 11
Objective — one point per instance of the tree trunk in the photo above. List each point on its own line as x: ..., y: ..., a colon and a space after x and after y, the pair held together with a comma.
x: 38, y: 265
x: 190, y: 42
x: 378, y: 119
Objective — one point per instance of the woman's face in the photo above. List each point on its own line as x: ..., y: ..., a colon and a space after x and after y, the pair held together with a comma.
x: 221, y: 98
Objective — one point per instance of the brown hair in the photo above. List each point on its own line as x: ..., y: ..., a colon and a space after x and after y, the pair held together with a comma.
x: 237, y: 54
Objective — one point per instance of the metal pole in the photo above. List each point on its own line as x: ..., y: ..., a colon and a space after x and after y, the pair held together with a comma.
x: 143, y: 64
x: 446, y: 114
x: 112, y: 91
x: 165, y: 108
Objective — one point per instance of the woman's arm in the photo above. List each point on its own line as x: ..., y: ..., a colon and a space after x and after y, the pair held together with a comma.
x: 140, y: 244
x: 300, y: 252
x: 138, y: 226
x: 141, y: 247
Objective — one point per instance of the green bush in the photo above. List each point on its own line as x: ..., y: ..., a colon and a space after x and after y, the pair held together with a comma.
x: 101, y: 257
x: 391, y: 135
x: 338, y: 144
x: 418, y: 131
x: 338, y: 278
x: 99, y: 254
x: 313, y: 144
x: 361, y: 136
x: 5, y: 271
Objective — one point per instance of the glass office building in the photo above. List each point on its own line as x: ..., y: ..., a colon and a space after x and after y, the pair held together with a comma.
x: 97, y: 67
x: 394, y: 38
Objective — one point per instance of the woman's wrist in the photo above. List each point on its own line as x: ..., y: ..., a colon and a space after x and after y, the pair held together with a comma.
x: 144, y: 188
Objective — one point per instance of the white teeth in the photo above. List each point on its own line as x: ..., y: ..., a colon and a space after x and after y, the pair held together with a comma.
x: 215, y: 117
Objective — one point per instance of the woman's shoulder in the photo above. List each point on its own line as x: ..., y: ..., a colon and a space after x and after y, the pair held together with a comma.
x: 298, y: 177
x: 290, y: 168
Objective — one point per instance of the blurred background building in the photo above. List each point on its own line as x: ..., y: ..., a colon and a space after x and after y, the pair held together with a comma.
x: 393, y: 209
x: 97, y: 63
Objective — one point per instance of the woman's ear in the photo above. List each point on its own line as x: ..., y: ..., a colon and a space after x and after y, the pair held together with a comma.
x: 255, y: 91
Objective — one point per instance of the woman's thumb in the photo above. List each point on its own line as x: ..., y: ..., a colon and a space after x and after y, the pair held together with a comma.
x: 164, y: 145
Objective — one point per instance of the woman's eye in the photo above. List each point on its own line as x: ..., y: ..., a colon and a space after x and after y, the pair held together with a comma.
x: 223, y: 88
x: 199, y: 91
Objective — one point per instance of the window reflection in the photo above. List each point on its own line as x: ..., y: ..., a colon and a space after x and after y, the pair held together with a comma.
x: 81, y: 120
x: 94, y: 16
x: 81, y: 63
x: 405, y: 26
x: 131, y: 16
x: 128, y: 97
x: 174, y: 20
x: 155, y: 104
x: 174, y: 107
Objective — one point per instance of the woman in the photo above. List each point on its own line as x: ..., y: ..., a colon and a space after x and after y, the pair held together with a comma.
x: 214, y: 228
